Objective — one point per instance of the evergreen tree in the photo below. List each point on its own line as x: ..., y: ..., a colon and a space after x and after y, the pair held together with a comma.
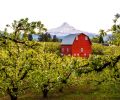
x: 30, y: 37
x: 55, y: 39
x: 101, y: 39
x: 101, y: 36
x: 46, y: 37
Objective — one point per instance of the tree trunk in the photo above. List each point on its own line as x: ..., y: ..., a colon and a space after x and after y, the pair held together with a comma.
x: 45, y: 91
x: 61, y: 89
x: 13, y: 94
x: 12, y: 97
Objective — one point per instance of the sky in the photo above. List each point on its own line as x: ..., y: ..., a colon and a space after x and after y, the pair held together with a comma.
x: 85, y: 15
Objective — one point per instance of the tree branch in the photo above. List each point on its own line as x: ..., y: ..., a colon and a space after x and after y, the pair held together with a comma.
x: 25, y: 73
x: 108, y: 64
x: 14, y: 40
x: 88, y: 70
x: 18, y: 41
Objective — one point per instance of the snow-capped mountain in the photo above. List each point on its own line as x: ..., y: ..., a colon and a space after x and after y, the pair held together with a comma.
x: 66, y: 29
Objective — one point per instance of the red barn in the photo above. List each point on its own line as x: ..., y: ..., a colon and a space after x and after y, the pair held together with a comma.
x: 76, y: 45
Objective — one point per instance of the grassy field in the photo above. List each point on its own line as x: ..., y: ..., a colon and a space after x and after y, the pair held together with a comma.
x: 71, y: 93
x: 70, y: 96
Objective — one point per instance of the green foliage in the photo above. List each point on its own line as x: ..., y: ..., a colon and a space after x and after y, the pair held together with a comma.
x: 15, y: 63
x: 17, y: 57
x: 95, y: 39
x: 98, y: 49
x: 47, y: 71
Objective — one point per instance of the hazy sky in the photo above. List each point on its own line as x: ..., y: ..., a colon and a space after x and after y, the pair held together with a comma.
x: 86, y: 15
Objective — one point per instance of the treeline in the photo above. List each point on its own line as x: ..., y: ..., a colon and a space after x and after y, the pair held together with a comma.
x: 46, y: 37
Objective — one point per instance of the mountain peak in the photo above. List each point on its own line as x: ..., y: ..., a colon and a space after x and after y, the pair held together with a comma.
x: 65, y: 24
x: 65, y: 28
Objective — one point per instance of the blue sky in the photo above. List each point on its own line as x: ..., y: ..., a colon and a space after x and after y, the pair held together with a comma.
x: 86, y: 15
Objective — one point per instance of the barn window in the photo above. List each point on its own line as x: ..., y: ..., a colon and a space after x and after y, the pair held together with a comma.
x: 84, y: 54
x: 62, y: 49
x: 74, y: 54
x: 62, y: 54
x: 86, y: 38
x: 69, y: 54
x: 76, y: 37
x: 81, y: 49
x: 67, y: 49
x: 78, y: 54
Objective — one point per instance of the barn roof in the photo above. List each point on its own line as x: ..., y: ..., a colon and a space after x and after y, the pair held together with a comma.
x: 69, y: 39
